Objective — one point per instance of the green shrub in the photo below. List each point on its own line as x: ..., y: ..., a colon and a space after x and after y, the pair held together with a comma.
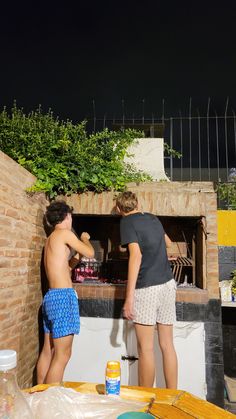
x: 233, y: 284
x: 227, y: 193
x: 63, y: 157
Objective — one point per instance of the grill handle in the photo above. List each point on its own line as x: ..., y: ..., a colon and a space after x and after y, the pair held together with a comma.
x: 129, y: 358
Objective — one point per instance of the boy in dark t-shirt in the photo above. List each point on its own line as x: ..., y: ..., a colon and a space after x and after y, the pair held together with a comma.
x: 151, y: 289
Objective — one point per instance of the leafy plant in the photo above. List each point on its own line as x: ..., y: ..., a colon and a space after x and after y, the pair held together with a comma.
x: 63, y: 157
x: 171, y: 152
x: 227, y: 193
x: 233, y: 283
x: 66, y: 159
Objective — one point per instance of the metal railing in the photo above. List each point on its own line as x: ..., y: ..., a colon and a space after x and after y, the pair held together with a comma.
x: 206, y: 140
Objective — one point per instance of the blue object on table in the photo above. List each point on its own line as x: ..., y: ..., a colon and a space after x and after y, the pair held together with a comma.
x: 135, y: 415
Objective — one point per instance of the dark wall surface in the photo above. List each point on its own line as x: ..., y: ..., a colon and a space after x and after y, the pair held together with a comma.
x: 227, y: 261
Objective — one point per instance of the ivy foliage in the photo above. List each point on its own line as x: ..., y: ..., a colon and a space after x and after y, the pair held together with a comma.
x: 227, y: 193
x: 233, y: 283
x: 64, y: 158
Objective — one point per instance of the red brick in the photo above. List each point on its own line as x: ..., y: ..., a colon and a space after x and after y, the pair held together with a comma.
x: 11, y: 253
x: 13, y: 213
x: 5, y: 243
x: 4, y: 222
x: 5, y: 263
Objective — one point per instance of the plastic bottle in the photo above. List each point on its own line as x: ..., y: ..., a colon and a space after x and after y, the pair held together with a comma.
x: 13, y: 405
x: 113, y: 378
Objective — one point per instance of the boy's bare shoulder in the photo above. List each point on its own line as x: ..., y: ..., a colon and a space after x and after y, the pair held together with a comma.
x: 69, y: 237
x: 61, y: 234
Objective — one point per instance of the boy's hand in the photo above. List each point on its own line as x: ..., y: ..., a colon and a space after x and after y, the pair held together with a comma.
x: 84, y: 236
x: 128, y: 310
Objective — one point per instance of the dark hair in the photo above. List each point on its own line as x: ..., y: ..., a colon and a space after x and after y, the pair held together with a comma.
x: 56, y: 212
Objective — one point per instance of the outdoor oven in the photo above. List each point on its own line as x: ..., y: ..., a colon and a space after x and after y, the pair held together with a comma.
x: 188, y: 213
x: 186, y: 254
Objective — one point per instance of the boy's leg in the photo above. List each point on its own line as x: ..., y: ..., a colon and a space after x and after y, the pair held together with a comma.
x: 45, y: 358
x: 146, y: 363
x: 61, y: 356
x: 170, y: 363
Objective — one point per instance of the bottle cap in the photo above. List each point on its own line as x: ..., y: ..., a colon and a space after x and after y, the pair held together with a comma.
x: 113, y: 365
x: 7, y: 359
x: 135, y: 415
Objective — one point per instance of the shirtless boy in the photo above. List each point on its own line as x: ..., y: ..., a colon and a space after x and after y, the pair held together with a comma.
x: 60, y: 304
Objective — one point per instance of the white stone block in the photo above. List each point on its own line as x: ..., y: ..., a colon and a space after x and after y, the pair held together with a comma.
x: 147, y: 154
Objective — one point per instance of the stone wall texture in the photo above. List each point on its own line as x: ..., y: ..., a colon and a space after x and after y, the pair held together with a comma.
x: 21, y: 241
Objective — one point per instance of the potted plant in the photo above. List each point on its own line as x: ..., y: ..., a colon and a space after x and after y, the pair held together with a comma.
x: 233, y: 284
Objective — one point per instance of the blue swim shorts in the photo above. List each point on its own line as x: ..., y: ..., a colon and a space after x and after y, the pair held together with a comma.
x: 61, y: 312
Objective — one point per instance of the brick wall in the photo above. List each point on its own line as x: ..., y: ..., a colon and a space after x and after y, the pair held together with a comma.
x: 161, y: 198
x: 21, y: 242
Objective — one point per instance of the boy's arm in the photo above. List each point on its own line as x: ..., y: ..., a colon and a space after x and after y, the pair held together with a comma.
x: 168, y: 241
x: 82, y: 245
x: 135, y: 257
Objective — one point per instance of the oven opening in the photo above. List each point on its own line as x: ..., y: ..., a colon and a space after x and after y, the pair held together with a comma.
x: 187, y: 254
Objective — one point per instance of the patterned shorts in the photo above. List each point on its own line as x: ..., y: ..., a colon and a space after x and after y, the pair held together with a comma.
x: 61, y: 312
x: 155, y: 304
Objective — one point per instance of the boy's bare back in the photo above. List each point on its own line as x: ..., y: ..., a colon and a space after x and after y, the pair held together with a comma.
x: 56, y: 255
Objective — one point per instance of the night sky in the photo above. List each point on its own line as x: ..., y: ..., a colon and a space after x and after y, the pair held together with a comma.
x: 63, y: 55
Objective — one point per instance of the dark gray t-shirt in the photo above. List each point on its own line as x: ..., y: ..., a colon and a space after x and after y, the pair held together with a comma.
x: 146, y: 230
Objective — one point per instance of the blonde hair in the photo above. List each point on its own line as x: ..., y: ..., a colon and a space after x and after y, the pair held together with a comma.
x: 127, y: 201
